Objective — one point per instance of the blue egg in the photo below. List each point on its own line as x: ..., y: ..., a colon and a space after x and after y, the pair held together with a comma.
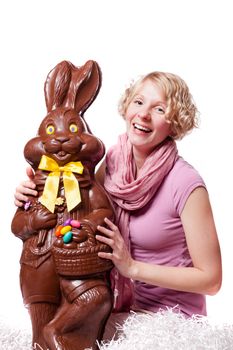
x: 67, y: 238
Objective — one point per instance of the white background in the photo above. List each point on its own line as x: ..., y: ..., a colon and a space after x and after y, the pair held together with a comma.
x: 127, y: 38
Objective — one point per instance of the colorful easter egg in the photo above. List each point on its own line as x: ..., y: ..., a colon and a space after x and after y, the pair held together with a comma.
x: 58, y: 231
x: 67, y: 222
x: 75, y: 223
x: 67, y: 237
x: 65, y: 229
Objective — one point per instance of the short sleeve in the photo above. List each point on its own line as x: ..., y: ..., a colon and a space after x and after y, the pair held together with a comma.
x: 186, y: 180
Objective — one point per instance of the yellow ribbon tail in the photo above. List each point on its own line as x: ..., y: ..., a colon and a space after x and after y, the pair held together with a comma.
x: 49, y: 196
x: 72, y: 191
x: 74, y: 167
x: 48, y: 164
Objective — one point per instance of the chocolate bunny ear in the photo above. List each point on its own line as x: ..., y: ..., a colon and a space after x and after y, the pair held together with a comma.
x: 57, y: 85
x: 84, y: 86
x: 72, y: 87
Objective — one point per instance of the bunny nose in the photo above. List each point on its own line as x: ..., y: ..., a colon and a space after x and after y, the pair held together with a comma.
x: 62, y: 138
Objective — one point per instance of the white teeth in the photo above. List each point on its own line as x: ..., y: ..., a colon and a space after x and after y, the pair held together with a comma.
x: 142, y: 128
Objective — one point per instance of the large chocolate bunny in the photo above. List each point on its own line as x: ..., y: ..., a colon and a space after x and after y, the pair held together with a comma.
x: 63, y: 281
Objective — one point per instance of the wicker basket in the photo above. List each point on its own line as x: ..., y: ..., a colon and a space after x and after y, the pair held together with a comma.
x: 80, y: 262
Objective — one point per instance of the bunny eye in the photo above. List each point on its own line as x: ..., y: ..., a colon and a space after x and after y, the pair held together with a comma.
x: 73, y: 127
x: 50, y: 129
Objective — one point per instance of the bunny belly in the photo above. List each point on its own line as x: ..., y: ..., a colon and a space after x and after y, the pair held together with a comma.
x: 79, y: 259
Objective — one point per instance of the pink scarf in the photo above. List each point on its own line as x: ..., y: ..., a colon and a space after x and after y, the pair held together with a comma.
x: 129, y: 194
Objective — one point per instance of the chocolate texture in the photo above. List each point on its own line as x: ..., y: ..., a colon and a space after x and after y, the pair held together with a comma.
x: 64, y: 284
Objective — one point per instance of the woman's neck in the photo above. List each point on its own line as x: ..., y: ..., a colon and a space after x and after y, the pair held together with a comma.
x: 139, y: 158
x: 141, y: 155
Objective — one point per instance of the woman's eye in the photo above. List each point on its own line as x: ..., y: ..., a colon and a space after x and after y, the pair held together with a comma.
x: 160, y: 109
x: 50, y: 129
x: 73, y: 127
x: 138, y: 102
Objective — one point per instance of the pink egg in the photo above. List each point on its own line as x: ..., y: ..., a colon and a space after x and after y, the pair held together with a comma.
x: 75, y: 223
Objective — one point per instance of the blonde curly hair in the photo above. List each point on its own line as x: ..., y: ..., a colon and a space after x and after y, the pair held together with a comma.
x: 181, y: 110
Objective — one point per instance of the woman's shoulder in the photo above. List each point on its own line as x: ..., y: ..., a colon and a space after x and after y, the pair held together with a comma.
x: 183, y: 171
x: 182, y: 180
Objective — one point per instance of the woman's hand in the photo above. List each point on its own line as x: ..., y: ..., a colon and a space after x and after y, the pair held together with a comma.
x: 120, y: 255
x: 25, y: 188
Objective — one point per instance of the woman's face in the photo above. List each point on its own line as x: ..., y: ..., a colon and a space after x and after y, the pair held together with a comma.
x: 145, y: 118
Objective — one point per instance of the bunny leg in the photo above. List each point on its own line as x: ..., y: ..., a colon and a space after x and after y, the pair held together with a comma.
x: 40, y: 314
x: 41, y: 294
x: 78, y: 324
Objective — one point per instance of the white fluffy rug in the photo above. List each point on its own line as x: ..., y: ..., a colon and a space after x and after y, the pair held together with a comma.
x: 166, y: 330
x: 12, y: 338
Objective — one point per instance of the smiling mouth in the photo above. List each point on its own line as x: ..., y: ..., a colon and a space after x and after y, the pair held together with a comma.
x: 141, y: 128
x: 62, y: 154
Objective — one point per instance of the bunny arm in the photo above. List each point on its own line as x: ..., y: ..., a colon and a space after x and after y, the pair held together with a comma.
x: 28, y: 223
x: 101, y: 207
x: 21, y: 225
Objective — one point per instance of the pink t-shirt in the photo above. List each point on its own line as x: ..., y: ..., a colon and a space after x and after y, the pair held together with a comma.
x: 157, y: 237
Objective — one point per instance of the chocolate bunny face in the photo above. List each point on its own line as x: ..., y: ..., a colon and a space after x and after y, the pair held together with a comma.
x: 63, y: 134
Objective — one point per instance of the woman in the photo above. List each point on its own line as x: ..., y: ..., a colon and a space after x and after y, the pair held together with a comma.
x: 164, y: 242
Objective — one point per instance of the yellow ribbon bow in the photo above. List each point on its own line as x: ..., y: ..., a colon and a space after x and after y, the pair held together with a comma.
x: 71, y: 186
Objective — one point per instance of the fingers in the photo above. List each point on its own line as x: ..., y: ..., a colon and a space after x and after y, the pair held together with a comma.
x: 18, y: 203
x: 30, y: 173
x: 105, y: 255
x: 111, y: 231
x: 105, y: 231
x: 111, y: 237
x: 51, y: 223
x: 120, y: 255
x: 25, y: 189
x: 27, y: 186
x: 47, y: 224
x: 105, y: 240
x: 111, y: 224
x: 43, y: 219
x: 20, y: 199
x: 111, y: 234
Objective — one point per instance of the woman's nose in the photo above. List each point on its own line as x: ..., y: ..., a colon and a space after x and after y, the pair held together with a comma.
x: 144, y: 113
